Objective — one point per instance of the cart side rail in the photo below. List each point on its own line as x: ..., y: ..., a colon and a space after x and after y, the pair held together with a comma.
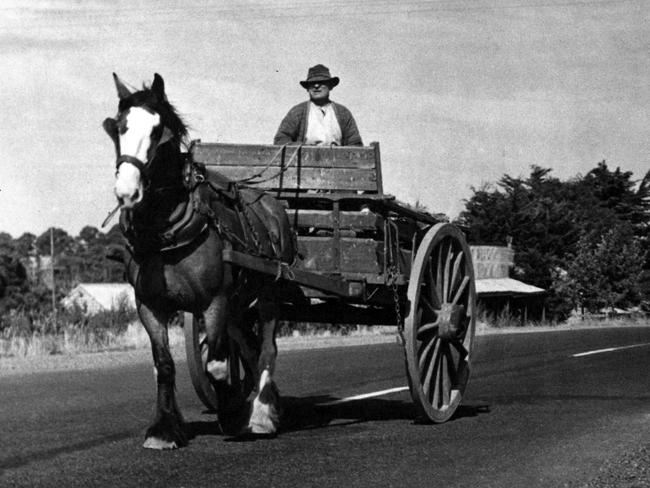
x: 295, y: 168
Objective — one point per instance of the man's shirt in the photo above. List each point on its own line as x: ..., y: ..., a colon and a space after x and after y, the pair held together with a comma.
x: 323, y: 128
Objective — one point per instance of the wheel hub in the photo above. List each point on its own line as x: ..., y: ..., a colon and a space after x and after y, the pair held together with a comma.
x: 451, y: 321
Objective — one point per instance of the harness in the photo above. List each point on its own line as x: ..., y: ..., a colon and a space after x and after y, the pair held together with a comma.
x: 237, y: 213
x: 234, y: 212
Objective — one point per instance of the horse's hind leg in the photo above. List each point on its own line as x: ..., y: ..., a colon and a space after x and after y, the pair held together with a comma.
x: 265, y: 415
x: 215, y: 327
x: 166, y: 431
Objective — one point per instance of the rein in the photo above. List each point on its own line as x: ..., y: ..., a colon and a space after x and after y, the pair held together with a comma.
x: 283, y: 167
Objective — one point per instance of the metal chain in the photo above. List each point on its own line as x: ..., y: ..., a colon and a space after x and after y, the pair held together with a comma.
x: 392, y: 282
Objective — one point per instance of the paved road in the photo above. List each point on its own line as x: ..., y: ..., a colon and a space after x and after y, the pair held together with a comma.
x: 534, y: 416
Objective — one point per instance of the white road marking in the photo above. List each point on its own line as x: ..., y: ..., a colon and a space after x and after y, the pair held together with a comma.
x: 363, y: 396
x: 609, y: 349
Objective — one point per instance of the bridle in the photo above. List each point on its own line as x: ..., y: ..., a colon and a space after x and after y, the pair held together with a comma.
x: 110, y: 125
x: 142, y: 166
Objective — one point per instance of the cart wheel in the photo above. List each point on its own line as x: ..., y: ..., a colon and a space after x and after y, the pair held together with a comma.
x: 227, y: 399
x: 439, y: 329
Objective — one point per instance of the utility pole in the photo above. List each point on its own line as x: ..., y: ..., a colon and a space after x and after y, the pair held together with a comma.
x: 52, y: 275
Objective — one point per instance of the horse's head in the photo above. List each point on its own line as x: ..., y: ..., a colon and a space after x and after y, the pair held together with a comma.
x: 144, y: 122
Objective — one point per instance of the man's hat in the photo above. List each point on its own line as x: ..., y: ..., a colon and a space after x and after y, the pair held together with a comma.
x: 320, y: 73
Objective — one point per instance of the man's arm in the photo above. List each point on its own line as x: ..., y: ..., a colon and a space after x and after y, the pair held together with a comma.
x: 351, y: 136
x: 289, y: 128
x: 349, y: 132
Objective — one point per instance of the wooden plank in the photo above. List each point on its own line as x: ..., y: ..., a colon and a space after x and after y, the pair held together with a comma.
x: 303, y: 178
x: 356, y: 255
x: 380, y: 183
x: 268, y: 266
x: 323, y: 219
x: 261, y: 155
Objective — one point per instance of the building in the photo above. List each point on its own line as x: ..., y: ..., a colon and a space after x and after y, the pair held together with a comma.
x: 97, y: 297
x: 497, y: 293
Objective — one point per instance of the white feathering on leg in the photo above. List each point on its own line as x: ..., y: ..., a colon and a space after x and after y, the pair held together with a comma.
x: 218, y: 369
x: 265, y: 417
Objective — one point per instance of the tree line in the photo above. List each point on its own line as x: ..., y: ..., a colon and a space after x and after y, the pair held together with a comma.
x: 26, y: 265
x: 584, y: 240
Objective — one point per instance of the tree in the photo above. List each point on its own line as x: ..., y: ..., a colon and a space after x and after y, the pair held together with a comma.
x: 62, y: 242
x: 25, y: 245
x: 13, y: 282
x: 551, y: 220
x: 606, y: 272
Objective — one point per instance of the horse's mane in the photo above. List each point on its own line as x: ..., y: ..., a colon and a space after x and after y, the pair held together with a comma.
x: 168, y: 114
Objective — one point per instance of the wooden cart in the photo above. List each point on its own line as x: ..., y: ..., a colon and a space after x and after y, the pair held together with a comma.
x: 365, y: 258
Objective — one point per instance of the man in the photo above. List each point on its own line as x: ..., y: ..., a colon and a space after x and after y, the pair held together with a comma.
x: 319, y: 121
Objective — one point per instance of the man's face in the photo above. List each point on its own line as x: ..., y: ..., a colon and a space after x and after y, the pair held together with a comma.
x: 319, y: 91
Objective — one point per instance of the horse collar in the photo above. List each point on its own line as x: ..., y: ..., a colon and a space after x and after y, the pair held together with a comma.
x: 186, y: 225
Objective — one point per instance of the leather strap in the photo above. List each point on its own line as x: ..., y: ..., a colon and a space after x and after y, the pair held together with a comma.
x: 125, y: 158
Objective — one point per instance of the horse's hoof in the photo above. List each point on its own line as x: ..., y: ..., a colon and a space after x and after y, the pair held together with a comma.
x: 159, y: 444
x: 264, y: 419
x: 263, y: 430
x: 247, y: 434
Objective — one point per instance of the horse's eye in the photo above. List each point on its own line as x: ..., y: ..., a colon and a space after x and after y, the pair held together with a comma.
x: 121, y: 125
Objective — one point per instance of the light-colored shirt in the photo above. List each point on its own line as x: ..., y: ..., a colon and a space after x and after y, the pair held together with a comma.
x: 322, y: 126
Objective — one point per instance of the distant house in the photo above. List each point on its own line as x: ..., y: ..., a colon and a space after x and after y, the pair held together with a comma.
x: 97, y: 297
x: 497, y: 292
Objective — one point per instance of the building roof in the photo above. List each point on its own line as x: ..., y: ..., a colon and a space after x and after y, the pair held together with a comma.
x: 505, y: 286
x: 101, y: 296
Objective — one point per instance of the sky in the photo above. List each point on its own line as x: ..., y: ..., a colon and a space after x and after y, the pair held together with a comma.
x: 458, y: 93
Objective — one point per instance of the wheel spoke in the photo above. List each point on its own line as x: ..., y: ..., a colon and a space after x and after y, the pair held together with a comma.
x: 446, y: 282
x: 461, y: 349
x: 435, y: 401
x: 427, y: 327
x: 433, y: 288
x: 463, y: 371
x: 432, y: 366
x: 461, y: 289
x: 454, y: 274
x: 439, y: 276
x: 425, y: 354
x: 451, y: 367
x: 445, y: 383
x: 429, y: 305
x: 203, y: 348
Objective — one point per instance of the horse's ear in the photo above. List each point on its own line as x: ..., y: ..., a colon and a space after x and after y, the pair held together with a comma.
x: 122, y: 91
x: 158, y: 86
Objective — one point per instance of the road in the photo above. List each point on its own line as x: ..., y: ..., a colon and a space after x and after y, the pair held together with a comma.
x: 535, y: 415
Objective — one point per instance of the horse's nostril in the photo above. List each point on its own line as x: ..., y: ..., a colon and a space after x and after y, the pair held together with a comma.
x: 136, y: 195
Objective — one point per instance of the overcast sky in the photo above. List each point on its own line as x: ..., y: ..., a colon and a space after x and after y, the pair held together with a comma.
x: 456, y: 92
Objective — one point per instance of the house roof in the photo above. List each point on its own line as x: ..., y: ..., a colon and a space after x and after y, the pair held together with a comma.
x: 505, y: 286
x: 106, y: 295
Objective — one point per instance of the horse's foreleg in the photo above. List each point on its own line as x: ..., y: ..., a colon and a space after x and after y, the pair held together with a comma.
x: 265, y: 416
x: 166, y: 431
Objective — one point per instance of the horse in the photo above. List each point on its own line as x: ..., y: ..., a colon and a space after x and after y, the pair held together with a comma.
x: 176, y: 224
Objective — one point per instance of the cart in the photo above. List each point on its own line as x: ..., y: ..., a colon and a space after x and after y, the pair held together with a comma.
x: 364, y: 258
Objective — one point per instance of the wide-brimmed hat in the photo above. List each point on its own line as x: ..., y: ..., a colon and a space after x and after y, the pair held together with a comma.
x: 320, y: 73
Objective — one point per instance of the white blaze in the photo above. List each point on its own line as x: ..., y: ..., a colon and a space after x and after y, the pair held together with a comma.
x: 135, y: 142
